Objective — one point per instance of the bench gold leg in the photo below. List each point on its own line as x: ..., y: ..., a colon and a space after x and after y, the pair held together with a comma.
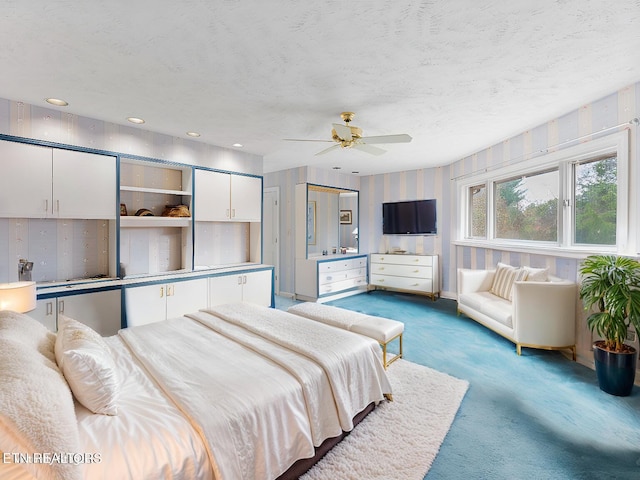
x: 384, y: 352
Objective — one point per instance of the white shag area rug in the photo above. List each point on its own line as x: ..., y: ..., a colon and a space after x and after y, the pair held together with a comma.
x: 398, y: 440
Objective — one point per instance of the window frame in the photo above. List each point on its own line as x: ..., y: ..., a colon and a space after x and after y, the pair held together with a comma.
x: 564, y: 160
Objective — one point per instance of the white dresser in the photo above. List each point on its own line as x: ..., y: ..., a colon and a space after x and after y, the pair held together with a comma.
x: 409, y: 273
x: 329, y: 277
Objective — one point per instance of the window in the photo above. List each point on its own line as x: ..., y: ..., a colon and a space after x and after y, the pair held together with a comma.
x: 569, y: 199
x: 595, y: 201
x: 478, y: 211
x: 526, y: 208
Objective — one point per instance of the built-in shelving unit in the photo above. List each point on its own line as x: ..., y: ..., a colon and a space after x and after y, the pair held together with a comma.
x: 154, y: 243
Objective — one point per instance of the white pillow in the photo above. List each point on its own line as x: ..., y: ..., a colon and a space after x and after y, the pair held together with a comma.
x: 537, y: 274
x: 503, y: 280
x: 87, y: 364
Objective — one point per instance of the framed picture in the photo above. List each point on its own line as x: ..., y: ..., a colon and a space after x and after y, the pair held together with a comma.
x: 345, y: 217
x: 123, y: 210
x: 311, y: 223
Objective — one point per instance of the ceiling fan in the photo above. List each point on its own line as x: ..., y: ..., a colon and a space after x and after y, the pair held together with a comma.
x: 347, y: 136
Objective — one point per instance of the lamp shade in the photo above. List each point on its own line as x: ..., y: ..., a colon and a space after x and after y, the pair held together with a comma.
x: 18, y: 296
x: 355, y: 231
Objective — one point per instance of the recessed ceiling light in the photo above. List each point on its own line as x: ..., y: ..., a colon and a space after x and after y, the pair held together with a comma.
x: 193, y: 134
x: 337, y: 168
x: 239, y: 145
x: 355, y: 172
x: 135, y: 120
x: 56, y: 101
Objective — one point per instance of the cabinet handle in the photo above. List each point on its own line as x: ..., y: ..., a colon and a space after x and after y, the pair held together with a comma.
x: 60, y: 306
x: 58, y: 206
x: 49, y: 308
x: 170, y: 290
x: 240, y: 280
x: 161, y: 292
x: 227, y: 214
x: 244, y: 279
x: 46, y: 206
x: 233, y: 213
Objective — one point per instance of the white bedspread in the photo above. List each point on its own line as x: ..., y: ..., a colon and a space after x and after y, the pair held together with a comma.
x: 250, y: 412
x: 351, y: 362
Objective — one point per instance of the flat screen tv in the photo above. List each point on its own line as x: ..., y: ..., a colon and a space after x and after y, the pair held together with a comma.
x: 417, y: 217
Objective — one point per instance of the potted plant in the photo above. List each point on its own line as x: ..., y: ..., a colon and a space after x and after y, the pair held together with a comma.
x: 611, y: 286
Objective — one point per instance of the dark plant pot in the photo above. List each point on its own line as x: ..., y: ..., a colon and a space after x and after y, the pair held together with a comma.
x: 616, y: 371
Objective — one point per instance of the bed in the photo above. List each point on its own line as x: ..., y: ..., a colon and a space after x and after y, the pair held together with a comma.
x: 234, y: 392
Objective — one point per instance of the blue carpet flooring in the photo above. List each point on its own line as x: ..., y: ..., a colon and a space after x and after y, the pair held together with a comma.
x: 537, y: 416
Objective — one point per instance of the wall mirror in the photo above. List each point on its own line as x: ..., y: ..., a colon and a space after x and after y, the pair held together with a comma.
x: 332, y: 220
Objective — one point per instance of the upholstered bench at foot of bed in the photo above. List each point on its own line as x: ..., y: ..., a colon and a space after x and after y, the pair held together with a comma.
x: 384, y: 330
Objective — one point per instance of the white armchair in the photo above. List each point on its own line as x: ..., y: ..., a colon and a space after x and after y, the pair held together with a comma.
x: 539, y: 315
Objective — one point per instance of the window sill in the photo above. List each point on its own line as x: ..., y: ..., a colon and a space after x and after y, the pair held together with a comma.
x: 551, y: 250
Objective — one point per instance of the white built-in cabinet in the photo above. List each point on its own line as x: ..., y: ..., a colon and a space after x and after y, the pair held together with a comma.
x: 251, y: 287
x: 44, y: 182
x: 224, y: 197
x: 152, y: 303
x: 99, y: 310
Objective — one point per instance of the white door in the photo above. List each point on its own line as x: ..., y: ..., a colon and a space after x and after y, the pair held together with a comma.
x: 145, y: 304
x: 212, y: 196
x: 98, y: 310
x: 46, y: 313
x: 271, y: 232
x: 25, y: 182
x: 246, y: 199
x: 225, y: 289
x: 256, y: 288
x: 84, y: 185
x: 186, y: 297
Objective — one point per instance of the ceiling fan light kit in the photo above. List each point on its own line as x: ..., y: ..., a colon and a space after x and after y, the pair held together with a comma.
x: 347, y: 136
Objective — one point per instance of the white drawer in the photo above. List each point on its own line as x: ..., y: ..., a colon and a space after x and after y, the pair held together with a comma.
x: 342, y: 285
x: 331, y: 277
x: 341, y: 265
x: 426, y: 260
x: 403, y: 283
x: 413, y: 271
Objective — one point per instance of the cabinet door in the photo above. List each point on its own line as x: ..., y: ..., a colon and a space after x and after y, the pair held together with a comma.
x: 84, y: 185
x: 46, y: 313
x: 246, y: 199
x: 145, y: 304
x: 257, y: 287
x: 186, y: 297
x: 225, y: 289
x: 98, y: 310
x: 25, y: 183
x: 212, y: 196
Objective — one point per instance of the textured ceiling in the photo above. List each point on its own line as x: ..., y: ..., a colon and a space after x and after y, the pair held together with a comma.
x: 457, y: 76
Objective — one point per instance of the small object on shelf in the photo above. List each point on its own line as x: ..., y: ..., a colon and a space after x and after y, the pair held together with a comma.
x: 123, y: 210
x: 144, y: 212
x: 176, y: 211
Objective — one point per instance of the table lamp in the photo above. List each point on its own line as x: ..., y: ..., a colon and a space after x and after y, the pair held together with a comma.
x: 18, y: 296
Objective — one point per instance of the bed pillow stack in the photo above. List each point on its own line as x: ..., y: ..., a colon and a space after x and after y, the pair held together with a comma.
x: 87, y: 364
x: 36, y: 407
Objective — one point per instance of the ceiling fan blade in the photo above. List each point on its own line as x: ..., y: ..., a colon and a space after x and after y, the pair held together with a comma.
x: 301, y: 140
x: 343, y: 131
x: 368, y: 148
x: 327, y: 150
x: 400, y: 138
